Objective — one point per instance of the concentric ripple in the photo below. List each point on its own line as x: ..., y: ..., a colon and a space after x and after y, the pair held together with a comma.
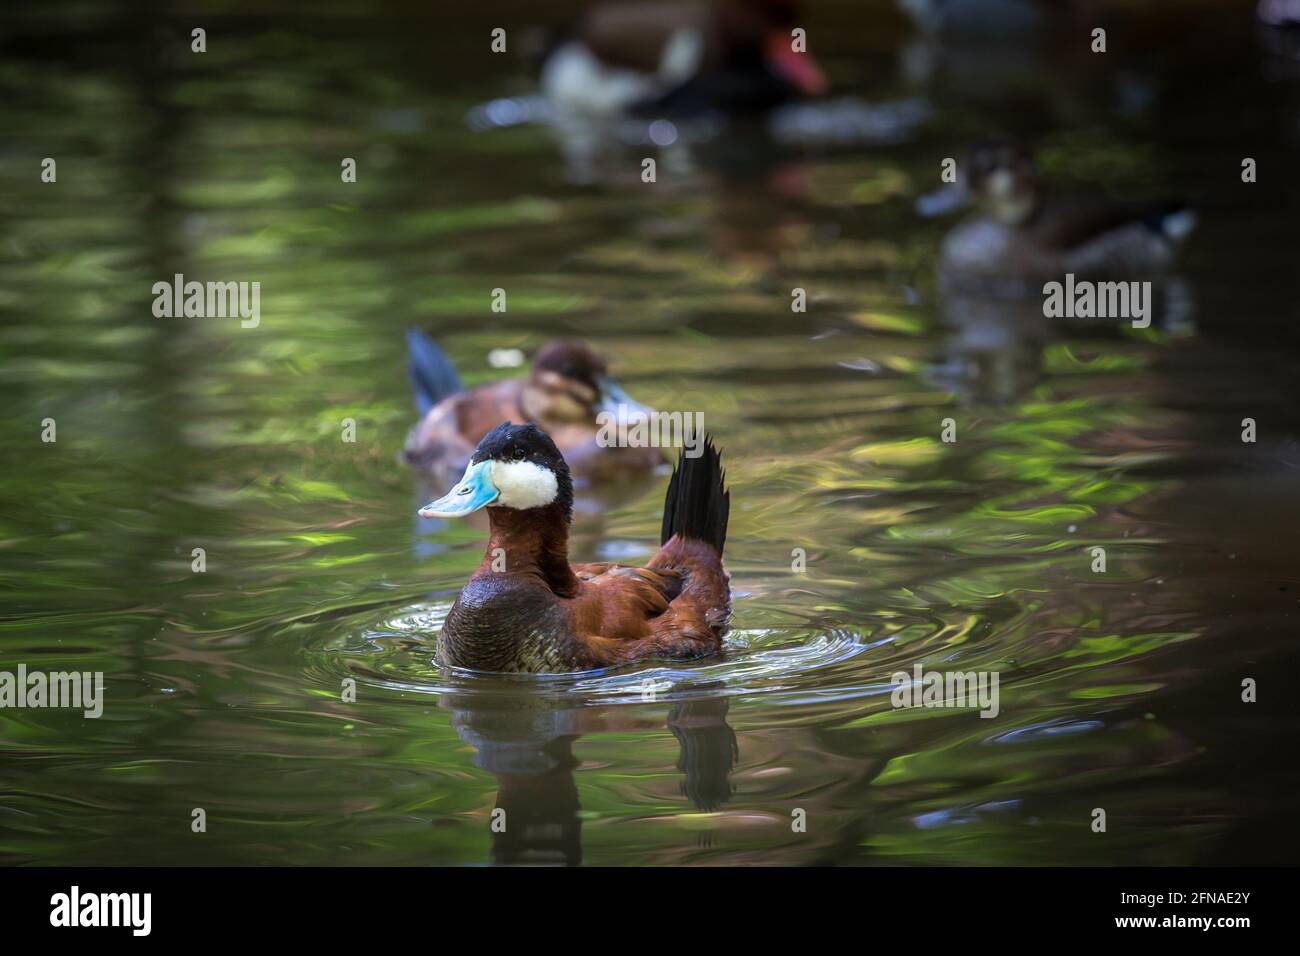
x: 785, y: 664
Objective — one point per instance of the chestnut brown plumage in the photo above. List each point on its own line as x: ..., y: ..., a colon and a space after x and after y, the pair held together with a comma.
x: 566, y: 388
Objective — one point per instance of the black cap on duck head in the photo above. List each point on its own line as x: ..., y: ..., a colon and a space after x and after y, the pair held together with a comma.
x: 514, y: 466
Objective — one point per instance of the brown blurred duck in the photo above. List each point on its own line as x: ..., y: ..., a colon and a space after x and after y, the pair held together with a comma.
x: 566, y: 388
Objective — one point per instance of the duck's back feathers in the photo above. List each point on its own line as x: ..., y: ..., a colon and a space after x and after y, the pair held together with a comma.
x: 679, y: 604
x: 677, y: 607
x: 1070, y: 222
x: 1124, y: 241
x: 1083, y: 234
x: 612, y: 593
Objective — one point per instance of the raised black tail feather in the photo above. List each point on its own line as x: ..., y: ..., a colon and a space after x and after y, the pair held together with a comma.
x: 432, y: 375
x: 697, y: 503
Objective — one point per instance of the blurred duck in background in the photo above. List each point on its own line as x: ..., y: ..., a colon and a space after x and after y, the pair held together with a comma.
x: 675, y: 75
x: 1023, y: 233
x: 678, y: 59
x: 566, y: 388
x: 993, y: 266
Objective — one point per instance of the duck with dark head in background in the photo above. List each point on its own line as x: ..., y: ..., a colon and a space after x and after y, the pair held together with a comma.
x: 567, y: 387
x: 678, y: 59
x: 1024, y: 233
x: 526, y: 609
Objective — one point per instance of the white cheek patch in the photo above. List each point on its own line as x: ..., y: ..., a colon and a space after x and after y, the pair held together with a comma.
x: 523, y: 484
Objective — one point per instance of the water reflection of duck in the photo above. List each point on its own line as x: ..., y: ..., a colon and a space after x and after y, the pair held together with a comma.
x: 727, y: 56
x: 527, y: 609
x: 528, y: 748
x: 708, y: 751
x: 566, y: 388
x: 994, y: 352
x: 1025, y: 234
x: 527, y: 744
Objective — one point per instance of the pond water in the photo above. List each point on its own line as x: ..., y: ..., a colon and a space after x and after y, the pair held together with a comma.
x: 223, y: 689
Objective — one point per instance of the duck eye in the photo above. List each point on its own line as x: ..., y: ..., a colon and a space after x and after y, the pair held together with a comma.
x: 520, y: 454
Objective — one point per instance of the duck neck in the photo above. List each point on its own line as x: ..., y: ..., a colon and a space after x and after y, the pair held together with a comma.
x: 533, y: 542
